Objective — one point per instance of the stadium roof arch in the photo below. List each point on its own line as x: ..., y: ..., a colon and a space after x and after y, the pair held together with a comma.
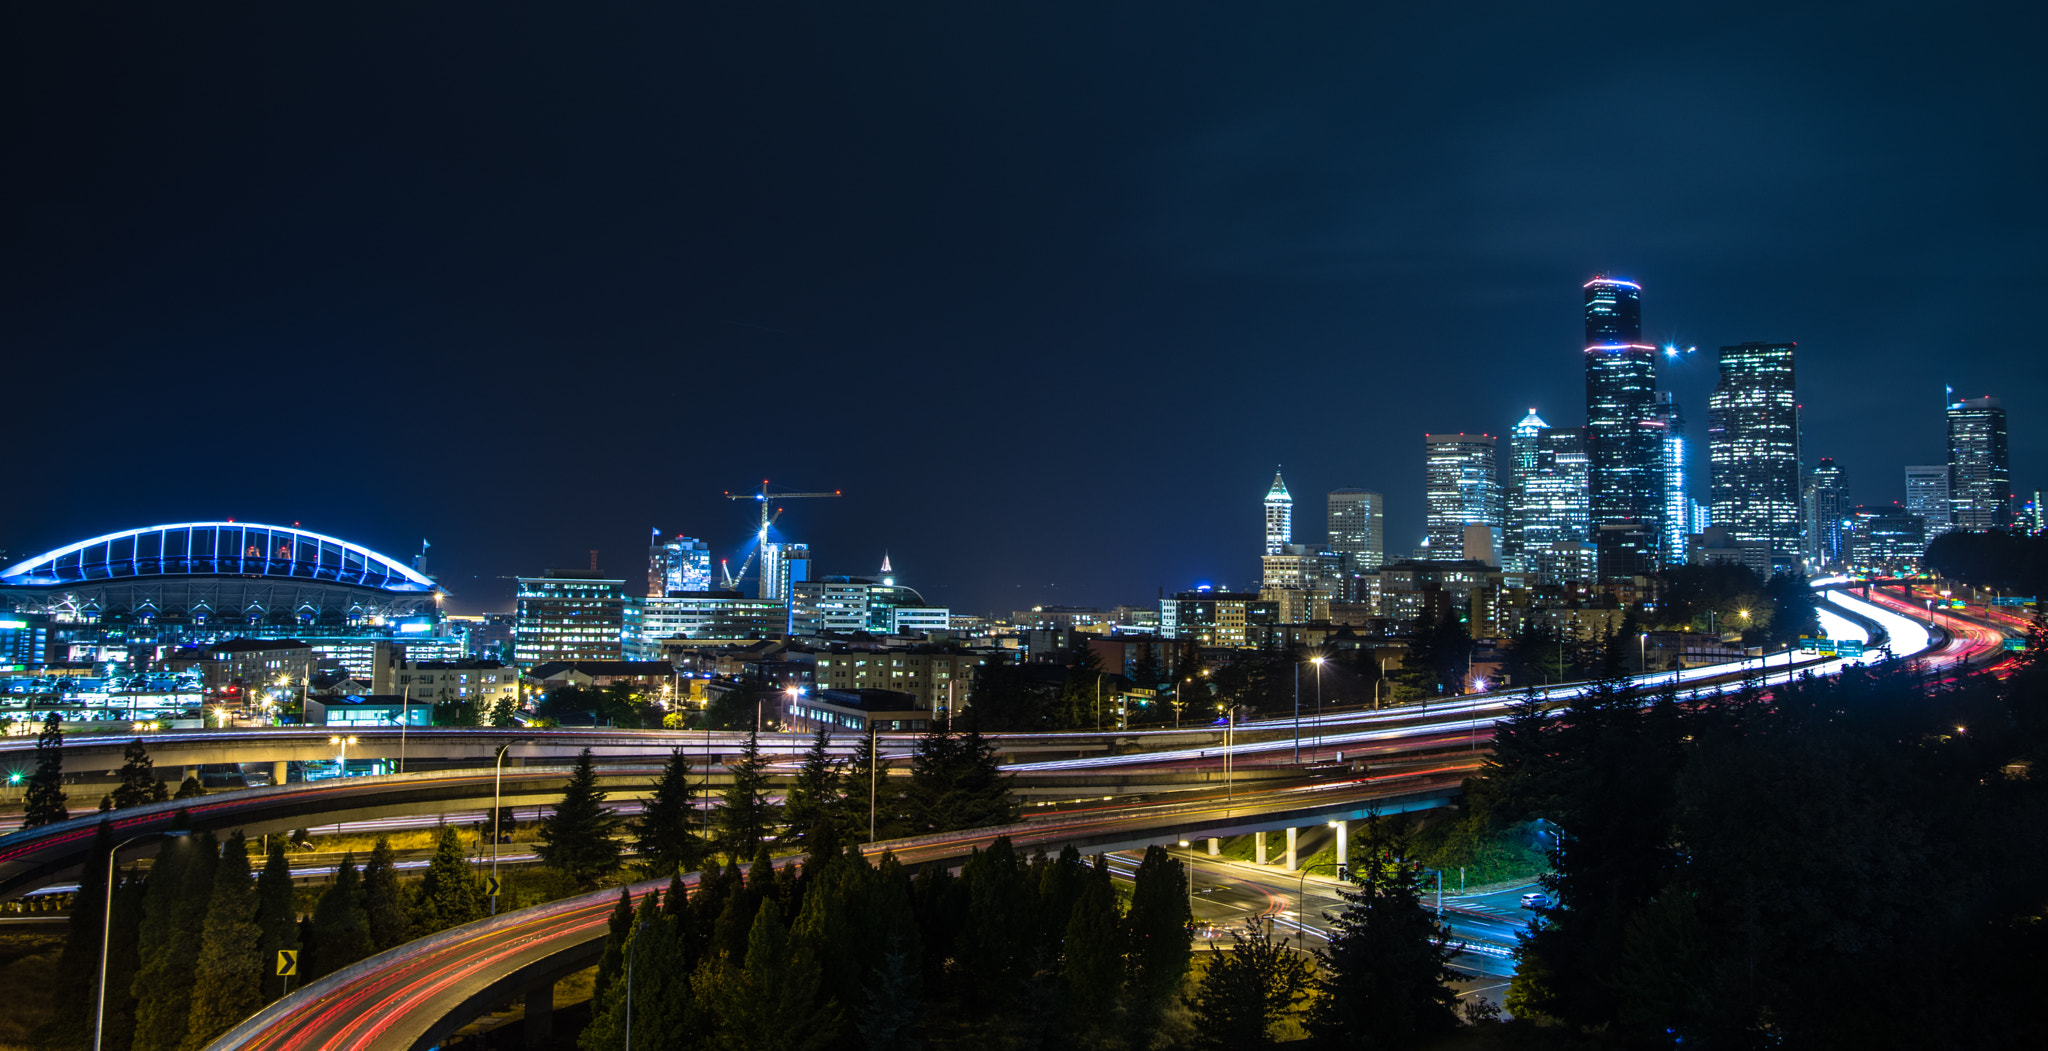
x: 217, y: 549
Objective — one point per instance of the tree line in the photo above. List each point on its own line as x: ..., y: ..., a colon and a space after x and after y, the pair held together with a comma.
x: 1832, y: 862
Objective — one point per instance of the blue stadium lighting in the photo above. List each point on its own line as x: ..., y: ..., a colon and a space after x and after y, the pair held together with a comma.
x: 297, y: 554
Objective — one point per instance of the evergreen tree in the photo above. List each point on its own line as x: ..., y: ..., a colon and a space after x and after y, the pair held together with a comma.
x: 277, y: 915
x: 666, y: 832
x: 1092, y: 964
x: 341, y: 926
x: 1077, y: 706
x: 122, y: 956
x: 44, y: 801
x: 871, y: 797
x: 956, y: 783
x: 654, y: 983
x: 173, y: 922
x: 78, y: 964
x: 448, y: 896
x: 138, y: 784
x: 190, y: 788
x: 995, y: 945
x: 576, y: 840
x: 1157, y: 931
x: 812, y: 811
x: 745, y: 816
x: 227, y: 978
x: 613, y: 960
x: 772, y: 1000
x: 383, y: 901
x: 1246, y: 991
x: 1384, y: 967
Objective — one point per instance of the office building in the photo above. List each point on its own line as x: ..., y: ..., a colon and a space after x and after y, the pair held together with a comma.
x: 1677, y: 505
x: 1753, y: 449
x: 1624, y: 449
x: 1525, y: 458
x: 1886, y: 538
x: 1827, y: 508
x: 1357, y: 534
x: 1463, y: 488
x: 1979, y: 476
x: 1301, y: 582
x: 700, y: 615
x: 1565, y: 563
x: 1279, y: 516
x: 1215, y: 618
x: 569, y: 616
x: 837, y: 604
x: 1555, y: 506
x: 679, y: 564
x: 1927, y: 496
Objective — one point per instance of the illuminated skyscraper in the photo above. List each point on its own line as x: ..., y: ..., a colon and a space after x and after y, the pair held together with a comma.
x: 1555, y: 502
x: 1623, y: 448
x: 1279, y: 516
x: 1827, y: 507
x: 1753, y: 449
x: 1357, y: 533
x: 680, y: 564
x: 1463, y: 489
x: 781, y: 566
x: 1525, y: 444
x: 1927, y: 496
x: 1677, y: 507
x: 1979, y: 477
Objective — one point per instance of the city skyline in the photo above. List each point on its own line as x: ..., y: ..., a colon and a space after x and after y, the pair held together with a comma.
x: 568, y: 305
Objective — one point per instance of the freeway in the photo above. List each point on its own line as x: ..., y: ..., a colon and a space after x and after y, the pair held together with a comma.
x: 411, y: 997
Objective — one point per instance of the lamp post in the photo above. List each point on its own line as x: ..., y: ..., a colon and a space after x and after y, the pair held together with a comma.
x: 497, y: 796
x: 1315, y: 751
x: 99, y: 1014
x: 341, y: 755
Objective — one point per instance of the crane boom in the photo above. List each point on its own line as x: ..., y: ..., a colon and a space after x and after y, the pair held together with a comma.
x: 767, y: 519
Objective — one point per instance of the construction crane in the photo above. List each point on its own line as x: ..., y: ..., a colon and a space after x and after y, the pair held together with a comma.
x: 732, y: 580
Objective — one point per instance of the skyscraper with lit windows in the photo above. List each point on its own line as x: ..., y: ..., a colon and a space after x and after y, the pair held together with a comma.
x: 1753, y: 449
x: 1463, y: 488
x: 1827, y: 508
x: 1525, y: 452
x: 1279, y: 516
x: 1624, y: 447
x: 679, y: 564
x: 1357, y: 533
x: 1979, y: 475
x: 1927, y: 496
x: 1676, y: 520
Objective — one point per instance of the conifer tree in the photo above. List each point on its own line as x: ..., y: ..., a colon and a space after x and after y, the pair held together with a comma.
x: 1245, y: 991
x: 277, y: 915
x: 745, y: 816
x: 1093, y: 960
x: 654, y: 975
x: 772, y: 1001
x: 227, y: 978
x: 138, y: 784
x: 122, y: 949
x: 814, y: 816
x: 1157, y: 931
x: 956, y: 783
x: 871, y: 798
x: 1383, y: 971
x: 44, y: 801
x: 383, y: 901
x: 190, y: 788
x: 341, y: 926
x: 448, y: 896
x: 613, y: 960
x: 666, y: 830
x: 173, y: 922
x: 78, y: 964
x: 576, y: 840
x: 996, y: 944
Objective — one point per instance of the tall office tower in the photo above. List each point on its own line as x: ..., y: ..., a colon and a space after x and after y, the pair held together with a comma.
x: 1677, y: 507
x: 1624, y: 449
x: 680, y: 564
x: 1979, y: 477
x: 1357, y: 533
x: 1555, y: 502
x: 1827, y: 507
x: 1463, y: 489
x: 1753, y: 449
x: 1525, y: 452
x: 1927, y: 496
x: 1279, y: 516
x: 781, y: 566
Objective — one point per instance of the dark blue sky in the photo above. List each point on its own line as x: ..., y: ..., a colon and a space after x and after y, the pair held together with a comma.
x: 1046, y: 291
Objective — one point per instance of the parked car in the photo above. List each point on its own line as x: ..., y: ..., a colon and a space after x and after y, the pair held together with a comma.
x: 1536, y: 900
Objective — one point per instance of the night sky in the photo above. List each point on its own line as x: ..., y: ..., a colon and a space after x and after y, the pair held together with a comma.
x: 1047, y: 290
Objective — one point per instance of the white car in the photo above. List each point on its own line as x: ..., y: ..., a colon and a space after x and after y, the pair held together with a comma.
x: 1536, y: 900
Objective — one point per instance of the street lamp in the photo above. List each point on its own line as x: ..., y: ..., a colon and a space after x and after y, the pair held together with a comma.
x: 497, y: 810
x: 99, y: 1014
x: 1315, y: 750
x: 341, y: 756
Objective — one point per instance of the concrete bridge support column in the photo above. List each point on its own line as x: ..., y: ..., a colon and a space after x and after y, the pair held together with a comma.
x: 1215, y: 846
x: 540, y: 1017
x: 277, y: 772
x: 190, y: 771
x: 1259, y: 847
x: 1343, y: 843
x: 1291, y: 830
